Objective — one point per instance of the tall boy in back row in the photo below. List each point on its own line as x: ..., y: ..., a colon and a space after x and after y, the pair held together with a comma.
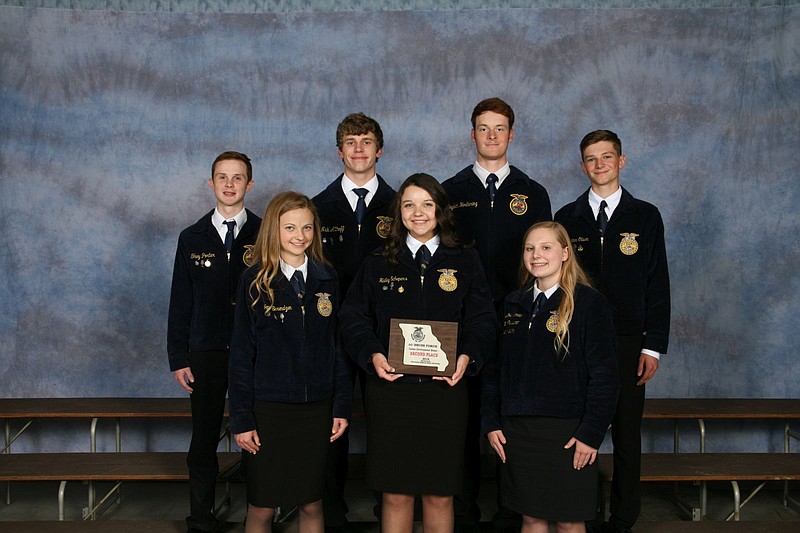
x: 353, y: 212
x: 619, y: 241
x: 212, y: 253
x: 493, y: 204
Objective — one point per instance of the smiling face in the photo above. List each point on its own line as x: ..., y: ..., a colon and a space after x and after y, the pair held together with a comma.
x: 360, y: 154
x: 230, y: 185
x: 297, y: 234
x: 602, y: 163
x: 491, y: 136
x: 543, y: 257
x: 418, y: 213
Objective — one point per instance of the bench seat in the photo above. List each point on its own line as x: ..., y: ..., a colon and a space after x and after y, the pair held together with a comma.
x: 712, y: 466
x: 106, y: 466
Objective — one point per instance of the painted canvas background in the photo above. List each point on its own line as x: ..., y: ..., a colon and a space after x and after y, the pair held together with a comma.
x: 109, y: 122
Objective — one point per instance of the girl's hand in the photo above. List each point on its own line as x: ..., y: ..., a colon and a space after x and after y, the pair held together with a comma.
x: 339, y: 425
x: 496, y: 440
x: 383, y: 368
x: 248, y: 441
x: 461, y: 367
x: 584, y: 454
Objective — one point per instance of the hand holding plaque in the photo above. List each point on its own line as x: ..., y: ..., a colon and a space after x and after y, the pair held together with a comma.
x: 423, y: 347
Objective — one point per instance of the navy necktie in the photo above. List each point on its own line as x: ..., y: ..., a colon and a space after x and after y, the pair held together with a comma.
x: 423, y: 257
x: 361, y: 205
x: 229, y: 236
x: 298, y: 284
x: 538, y: 303
x: 602, y: 218
x: 491, y: 182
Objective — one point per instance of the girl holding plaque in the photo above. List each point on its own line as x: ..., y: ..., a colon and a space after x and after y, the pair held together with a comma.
x: 549, y: 395
x: 416, y: 423
x: 290, y: 388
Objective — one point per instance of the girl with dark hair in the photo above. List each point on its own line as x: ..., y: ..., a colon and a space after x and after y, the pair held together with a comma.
x: 290, y: 388
x: 416, y: 424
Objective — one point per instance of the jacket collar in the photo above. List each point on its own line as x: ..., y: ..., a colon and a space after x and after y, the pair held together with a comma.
x: 333, y: 194
x: 524, y: 297
x: 627, y: 204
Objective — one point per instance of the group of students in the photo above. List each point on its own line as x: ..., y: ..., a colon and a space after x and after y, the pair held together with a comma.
x: 285, y: 312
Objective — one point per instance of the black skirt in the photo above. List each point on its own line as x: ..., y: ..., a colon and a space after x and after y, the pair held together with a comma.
x: 415, y: 436
x: 538, y: 478
x: 289, y: 469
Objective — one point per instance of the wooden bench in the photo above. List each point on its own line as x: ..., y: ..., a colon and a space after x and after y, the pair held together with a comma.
x: 704, y: 467
x: 701, y: 409
x: 31, y: 409
x: 103, y: 466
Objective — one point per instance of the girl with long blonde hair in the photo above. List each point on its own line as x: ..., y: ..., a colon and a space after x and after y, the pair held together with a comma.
x: 290, y: 386
x: 549, y: 395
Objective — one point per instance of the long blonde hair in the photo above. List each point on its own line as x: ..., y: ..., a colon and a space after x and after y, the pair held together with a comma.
x: 267, y: 250
x: 571, y: 275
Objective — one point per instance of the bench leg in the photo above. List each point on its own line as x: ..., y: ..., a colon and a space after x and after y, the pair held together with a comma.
x: 62, y: 489
x: 788, y: 435
x: 93, y: 512
x: 90, y: 508
x: 737, y: 509
x: 703, y: 501
x: 7, y: 449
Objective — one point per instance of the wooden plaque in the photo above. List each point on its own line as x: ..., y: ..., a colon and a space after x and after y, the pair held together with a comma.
x: 425, y: 347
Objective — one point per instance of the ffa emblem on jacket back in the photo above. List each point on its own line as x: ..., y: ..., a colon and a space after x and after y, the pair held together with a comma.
x: 384, y: 227
x: 248, y: 257
x: 448, y: 281
x: 628, y: 244
x: 518, y: 205
x: 324, y: 304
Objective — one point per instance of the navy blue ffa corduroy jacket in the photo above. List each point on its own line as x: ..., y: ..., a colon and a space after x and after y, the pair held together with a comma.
x: 519, y: 203
x: 528, y: 377
x: 382, y: 291
x: 629, y: 267
x: 344, y: 246
x: 287, y: 350
x: 203, y: 295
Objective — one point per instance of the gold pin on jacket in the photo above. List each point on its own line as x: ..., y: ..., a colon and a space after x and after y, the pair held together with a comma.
x: 628, y: 244
x: 518, y: 205
x: 324, y: 304
x: 447, y: 279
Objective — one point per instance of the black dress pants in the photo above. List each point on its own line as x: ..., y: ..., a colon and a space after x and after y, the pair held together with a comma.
x: 467, y: 512
x: 210, y: 370
x: 626, y: 435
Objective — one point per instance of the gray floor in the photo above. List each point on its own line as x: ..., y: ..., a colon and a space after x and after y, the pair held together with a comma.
x: 168, y: 501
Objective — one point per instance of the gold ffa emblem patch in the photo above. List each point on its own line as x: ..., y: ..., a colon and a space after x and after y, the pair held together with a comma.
x: 628, y: 244
x: 552, y: 322
x: 248, y: 257
x: 447, y: 280
x: 384, y: 227
x: 518, y: 205
x: 324, y: 304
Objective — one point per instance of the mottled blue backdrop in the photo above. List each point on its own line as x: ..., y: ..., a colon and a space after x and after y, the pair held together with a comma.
x: 110, y: 121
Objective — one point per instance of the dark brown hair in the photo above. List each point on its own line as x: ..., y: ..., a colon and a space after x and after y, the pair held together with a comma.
x: 238, y: 156
x: 600, y: 136
x: 445, y: 222
x: 358, y: 124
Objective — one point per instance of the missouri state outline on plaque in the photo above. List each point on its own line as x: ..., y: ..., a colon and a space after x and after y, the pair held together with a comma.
x: 422, y: 348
